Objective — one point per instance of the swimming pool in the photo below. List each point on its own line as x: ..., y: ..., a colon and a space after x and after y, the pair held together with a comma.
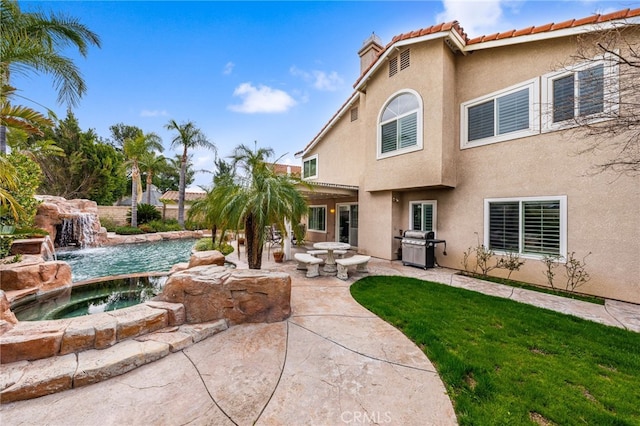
x: 97, y: 262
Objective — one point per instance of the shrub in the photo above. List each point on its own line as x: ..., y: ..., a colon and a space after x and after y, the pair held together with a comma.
x: 511, y: 262
x: 30, y: 232
x: 128, y: 230
x: 146, y: 214
x: 146, y: 228
x: 5, y: 245
x: 108, y: 223
x: 205, y: 244
x: 165, y: 225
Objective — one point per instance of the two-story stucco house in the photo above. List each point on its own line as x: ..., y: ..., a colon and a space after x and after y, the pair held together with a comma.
x: 476, y: 139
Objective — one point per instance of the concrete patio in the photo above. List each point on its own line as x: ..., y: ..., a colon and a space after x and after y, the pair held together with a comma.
x: 332, y: 362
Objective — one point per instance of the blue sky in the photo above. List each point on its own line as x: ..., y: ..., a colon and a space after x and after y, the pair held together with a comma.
x: 271, y: 72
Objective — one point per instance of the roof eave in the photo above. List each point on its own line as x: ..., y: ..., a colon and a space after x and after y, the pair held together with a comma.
x: 547, y: 35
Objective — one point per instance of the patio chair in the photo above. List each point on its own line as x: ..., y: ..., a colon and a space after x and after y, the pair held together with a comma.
x: 273, y: 238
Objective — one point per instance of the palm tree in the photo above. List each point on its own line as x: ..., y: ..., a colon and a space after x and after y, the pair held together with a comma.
x: 19, y: 117
x: 134, y: 150
x: 206, y: 209
x: 33, y: 41
x: 258, y: 198
x: 151, y: 163
x: 189, y: 136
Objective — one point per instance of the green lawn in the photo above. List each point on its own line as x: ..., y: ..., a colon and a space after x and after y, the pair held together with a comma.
x: 507, y: 363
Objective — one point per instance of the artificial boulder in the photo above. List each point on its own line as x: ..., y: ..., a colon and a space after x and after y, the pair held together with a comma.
x: 209, y: 293
x: 70, y: 221
x: 34, y: 272
x: 7, y: 318
x: 209, y: 257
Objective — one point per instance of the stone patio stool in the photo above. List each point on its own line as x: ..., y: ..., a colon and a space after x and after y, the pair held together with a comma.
x: 316, y: 253
x: 310, y: 263
x: 359, y: 260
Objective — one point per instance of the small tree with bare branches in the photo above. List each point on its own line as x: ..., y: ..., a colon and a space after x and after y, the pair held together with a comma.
x: 614, y: 136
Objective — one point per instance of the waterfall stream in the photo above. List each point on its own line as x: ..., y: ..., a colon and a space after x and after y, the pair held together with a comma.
x: 77, y: 230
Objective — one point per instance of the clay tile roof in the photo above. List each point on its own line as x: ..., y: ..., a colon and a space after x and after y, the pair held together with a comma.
x: 562, y: 25
x: 542, y: 28
x: 523, y: 31
x: 571, y: 23
x: 281, y: 169
x: 506, y: 34
x: 188, y: 196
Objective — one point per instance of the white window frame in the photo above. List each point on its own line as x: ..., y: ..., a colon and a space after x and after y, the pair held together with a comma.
x: 308, y: 159
x: 419, y: 133
x: 611, y: 93
x: 532, y: 85
x: 563, y: 223
x: 325, y: 219
x: 434, y: 203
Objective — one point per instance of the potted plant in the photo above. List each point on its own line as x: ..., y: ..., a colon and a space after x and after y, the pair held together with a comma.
x: 278, y: 256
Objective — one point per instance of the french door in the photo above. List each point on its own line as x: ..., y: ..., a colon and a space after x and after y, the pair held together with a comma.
x: 347, y: 224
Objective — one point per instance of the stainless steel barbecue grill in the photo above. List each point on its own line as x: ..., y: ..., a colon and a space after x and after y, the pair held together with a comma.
x: 418, y: 248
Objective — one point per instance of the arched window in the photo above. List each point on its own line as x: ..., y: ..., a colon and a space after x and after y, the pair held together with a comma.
x: 400, y: 127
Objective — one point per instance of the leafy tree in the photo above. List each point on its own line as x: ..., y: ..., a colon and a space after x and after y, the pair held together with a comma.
x: 189, y: 137
x: 33, y: 42
x: 89, y: 169
x: 121, y: 132
x: 21, y: 188
x: 169, y: 179
x: 134, y: 150
x: 257, y: 198
x: 8, y: 183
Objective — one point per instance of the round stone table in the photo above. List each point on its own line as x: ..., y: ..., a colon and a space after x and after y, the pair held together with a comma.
x: 329, y: 246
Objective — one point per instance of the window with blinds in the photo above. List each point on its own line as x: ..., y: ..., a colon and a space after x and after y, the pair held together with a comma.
x: 580, y: 94
x: 423, y: 215
x: 399, y: 127
x: 317, y: 218
x: 500, y: 116
x: 526, y: 226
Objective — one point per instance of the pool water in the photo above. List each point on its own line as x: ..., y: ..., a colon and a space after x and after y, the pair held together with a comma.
x: 96, y: 262
x: 91, y: 298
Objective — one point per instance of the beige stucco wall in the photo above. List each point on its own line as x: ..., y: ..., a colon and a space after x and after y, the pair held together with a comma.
x: 430, y: 76
x: 603, y: 210
x: 341, y: 151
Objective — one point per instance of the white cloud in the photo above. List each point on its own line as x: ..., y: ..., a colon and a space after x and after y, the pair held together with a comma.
x: 153, y: 113
x: 261, y: 99
x: 228, y: 68
x: 320, y: 80
x: 478, y: 17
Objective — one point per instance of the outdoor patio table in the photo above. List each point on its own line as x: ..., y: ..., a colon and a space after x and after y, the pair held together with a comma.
x: 329, y: 246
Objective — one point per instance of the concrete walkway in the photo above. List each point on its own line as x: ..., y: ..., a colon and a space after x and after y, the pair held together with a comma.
x: 331, y: 363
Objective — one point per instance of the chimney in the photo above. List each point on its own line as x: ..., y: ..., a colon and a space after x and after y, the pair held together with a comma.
x: 369, y: 51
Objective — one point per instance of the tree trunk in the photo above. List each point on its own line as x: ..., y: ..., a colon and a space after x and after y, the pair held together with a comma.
x: 3, y: 140
x: 214, y: 231
x: 149, y: 177
x: 135, y: 174
x: 181, y: 188
x: 253, y: 243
